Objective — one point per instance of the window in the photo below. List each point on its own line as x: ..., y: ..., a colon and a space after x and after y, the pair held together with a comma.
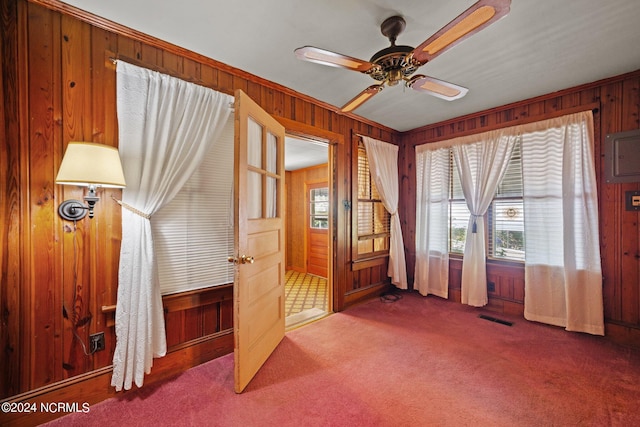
x: 458, y: 211
x: 319, y: 208
x: 193, y: 234
x: 505, y: 216
x: 373, y: 218
x: 506, y: 213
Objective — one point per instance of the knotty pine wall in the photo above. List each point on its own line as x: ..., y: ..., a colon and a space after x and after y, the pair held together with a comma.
x: 296, y: 212
x: 58, y: 85
x: 616, y: 106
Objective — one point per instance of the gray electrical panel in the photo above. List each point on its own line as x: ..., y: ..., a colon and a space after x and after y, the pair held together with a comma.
x: 622, y: 157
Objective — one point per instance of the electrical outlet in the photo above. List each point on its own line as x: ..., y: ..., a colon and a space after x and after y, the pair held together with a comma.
x: 96, y: 342
x: 491, y: 287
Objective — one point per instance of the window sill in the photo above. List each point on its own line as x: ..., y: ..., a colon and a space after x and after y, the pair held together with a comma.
x: 369, y: 262
x: 490, y: 261
x: 507, y: 262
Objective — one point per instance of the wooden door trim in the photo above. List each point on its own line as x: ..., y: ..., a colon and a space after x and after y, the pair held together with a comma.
x: 339, y: 223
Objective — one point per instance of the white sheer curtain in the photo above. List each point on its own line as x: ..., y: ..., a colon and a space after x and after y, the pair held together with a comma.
x: 481, y: 165
x: 563, y: 276
x: 165, y: 127
x: 432, y: 213
x: 383, y: 165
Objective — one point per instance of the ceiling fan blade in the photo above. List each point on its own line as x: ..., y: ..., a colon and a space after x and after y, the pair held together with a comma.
x: 477, y: 17
x: 437, y: 87
x: 360, y: 98
x: 326, y: 57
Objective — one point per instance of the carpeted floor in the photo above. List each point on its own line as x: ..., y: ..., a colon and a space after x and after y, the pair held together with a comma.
x: 304, y: 292
x: 414, y: 362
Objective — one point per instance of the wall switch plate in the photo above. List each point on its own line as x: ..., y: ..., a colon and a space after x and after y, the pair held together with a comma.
x: 632, y: 200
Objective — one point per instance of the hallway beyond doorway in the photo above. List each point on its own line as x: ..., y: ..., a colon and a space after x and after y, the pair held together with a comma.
x: 304, y: 292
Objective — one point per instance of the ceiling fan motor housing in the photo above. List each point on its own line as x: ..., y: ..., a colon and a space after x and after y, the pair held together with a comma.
x: 394, y: 63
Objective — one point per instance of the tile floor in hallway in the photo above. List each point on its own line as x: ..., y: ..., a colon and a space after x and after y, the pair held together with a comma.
x: 304, y: 292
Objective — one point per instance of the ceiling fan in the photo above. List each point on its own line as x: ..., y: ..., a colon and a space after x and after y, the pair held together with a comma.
x: 398, y: 63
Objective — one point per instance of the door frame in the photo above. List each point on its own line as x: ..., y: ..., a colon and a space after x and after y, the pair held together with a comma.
x: 338, y: 224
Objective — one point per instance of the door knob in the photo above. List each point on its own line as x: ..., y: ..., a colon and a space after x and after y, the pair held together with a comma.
x: 244, y: 259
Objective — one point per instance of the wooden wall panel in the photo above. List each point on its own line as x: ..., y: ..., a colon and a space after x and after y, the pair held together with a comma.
x: 11, y: 200
x: 43, y: 315
x: 296, y: 199
x: 630, y: 245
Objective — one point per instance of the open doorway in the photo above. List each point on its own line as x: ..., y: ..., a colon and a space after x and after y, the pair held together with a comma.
x: 308, y: 230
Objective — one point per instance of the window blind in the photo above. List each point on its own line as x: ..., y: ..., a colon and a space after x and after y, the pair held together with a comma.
x: 506, y: 214
x: 193, y: 234
x: 373, y: 218
x: 458, y: 211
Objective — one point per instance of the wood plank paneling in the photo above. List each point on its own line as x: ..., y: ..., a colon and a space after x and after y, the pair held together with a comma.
x: 77, y: 114
x: 630, y: 223
x: 11, y: 200
x: 42, y: 316
x: 296, y: 217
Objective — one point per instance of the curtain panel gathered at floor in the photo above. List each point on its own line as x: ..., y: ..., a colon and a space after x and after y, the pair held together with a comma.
x: 563, y: 275
x: 432, y: 211
x: 165, y: 127
x: 481, y: 165
x: 383, y: 164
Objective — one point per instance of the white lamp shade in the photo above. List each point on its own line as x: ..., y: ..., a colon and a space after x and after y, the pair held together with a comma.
x: 88, y: 163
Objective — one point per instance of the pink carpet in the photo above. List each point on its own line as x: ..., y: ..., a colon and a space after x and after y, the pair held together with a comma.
x: 415, y: 362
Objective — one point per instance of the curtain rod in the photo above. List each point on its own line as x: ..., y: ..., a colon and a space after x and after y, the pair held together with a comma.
x: 231, y: 104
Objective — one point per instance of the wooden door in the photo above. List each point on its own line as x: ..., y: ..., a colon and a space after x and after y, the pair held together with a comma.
x: 259, y: 319
x: 317, y: 226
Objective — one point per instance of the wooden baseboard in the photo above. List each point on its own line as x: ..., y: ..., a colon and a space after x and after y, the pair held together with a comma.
x: 627, y: 336
x: 79, y: 393
x: 360, y: 295
x: 505, y: 306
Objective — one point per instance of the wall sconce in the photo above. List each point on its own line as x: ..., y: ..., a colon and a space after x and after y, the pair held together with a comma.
x: 90, y: 165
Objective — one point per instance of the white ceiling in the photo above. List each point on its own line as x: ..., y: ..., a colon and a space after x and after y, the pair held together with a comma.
x: 541, y: 46
x: 302, y: 153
